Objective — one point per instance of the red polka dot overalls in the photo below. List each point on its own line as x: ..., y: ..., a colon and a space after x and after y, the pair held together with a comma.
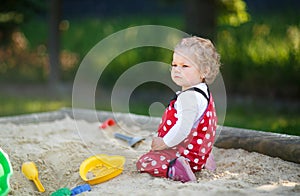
x: 195, y: 148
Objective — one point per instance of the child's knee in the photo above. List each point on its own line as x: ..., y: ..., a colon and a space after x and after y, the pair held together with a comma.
x: 139, y: 164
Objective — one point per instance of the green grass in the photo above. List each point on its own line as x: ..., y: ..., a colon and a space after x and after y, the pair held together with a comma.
x: 265, y: 118
x: 251, y: 116
x: 11, y: 105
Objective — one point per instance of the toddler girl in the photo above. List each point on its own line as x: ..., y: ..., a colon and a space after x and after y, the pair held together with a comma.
x: 187, y: 131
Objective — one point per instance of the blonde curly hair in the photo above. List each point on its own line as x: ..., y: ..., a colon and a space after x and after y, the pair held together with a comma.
x: 203, y: 53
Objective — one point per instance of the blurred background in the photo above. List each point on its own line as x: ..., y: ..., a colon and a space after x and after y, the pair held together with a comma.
x: 42, y: 43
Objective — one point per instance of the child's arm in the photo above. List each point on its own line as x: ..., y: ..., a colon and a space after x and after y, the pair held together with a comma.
x: 190, y: 107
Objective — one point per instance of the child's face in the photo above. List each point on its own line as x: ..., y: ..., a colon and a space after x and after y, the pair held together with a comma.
x: 184, y: 73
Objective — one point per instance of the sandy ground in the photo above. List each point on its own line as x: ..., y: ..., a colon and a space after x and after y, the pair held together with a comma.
x: 58, y: 148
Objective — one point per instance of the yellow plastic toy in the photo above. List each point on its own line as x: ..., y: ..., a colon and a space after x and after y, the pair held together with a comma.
x: 100, y: 168
x: 30, y: 170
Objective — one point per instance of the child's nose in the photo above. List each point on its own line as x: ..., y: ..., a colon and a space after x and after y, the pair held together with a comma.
x: 177, y: 68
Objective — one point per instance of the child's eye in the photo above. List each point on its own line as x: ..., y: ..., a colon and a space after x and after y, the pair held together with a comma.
x: 185, y: 66
x: 174, y: 65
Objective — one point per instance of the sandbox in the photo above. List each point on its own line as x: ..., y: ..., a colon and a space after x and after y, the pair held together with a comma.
x: 248, y: 162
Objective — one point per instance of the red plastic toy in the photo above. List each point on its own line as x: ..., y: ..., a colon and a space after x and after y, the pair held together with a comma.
x: 107, y: 123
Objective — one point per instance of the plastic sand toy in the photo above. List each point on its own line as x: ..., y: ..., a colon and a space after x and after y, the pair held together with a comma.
x: 100, y: 168
x: 62, y: 192
x: 132, y: 141
x: 75, y: 191
x: 5, y: 173
x: 107, y: 123
x: 30, y: 171
x: 80, y: 189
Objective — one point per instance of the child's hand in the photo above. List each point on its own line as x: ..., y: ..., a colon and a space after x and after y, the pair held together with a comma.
x: 158, y: 144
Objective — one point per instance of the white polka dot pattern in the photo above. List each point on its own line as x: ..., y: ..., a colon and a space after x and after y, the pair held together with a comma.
x: 186, y: 152
x: 169, y: 122
x: 153, y: 163
x: 207, y: 136
x: 209, y: 144
x: 199, y: 141
x: 194, y: 148
x: 175, y: 115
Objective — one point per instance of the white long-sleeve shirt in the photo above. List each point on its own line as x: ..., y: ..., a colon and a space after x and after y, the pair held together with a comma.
x: 190, y: 106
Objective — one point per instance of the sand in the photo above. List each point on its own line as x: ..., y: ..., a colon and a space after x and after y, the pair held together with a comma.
x: 58, y: 149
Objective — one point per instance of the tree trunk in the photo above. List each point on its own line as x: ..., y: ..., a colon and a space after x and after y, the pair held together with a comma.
x: 54, y: 40
x: 200, y: 18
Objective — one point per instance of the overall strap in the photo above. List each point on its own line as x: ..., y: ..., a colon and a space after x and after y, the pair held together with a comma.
x: 174, y: 97
x: 201, y: 92
x: 197, y: 90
